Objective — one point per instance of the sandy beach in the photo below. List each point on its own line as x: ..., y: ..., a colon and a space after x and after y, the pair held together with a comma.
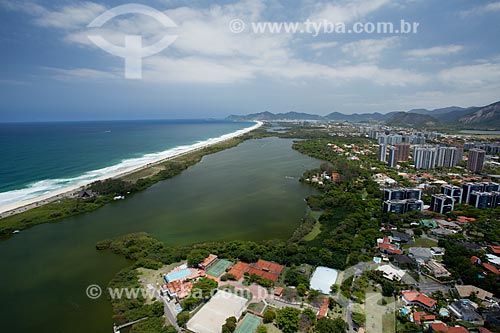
x: 70, y: 191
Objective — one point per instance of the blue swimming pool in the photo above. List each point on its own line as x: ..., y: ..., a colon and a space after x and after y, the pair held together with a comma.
x: 177, y: 275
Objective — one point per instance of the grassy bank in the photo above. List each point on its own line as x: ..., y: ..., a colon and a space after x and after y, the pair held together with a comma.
x: 126, y: 185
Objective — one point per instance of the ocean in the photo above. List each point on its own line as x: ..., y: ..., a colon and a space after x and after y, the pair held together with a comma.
x: 41, y: 158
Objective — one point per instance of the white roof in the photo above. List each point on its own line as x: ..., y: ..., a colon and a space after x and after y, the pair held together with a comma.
x: 391, y: 272
x: 213, y: 315
x: 323, y: 278
x: 493, y: 259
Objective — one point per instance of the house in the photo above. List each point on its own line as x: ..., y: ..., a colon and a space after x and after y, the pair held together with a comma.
x: 414, y: 297
x: 239, y: 270
x: 85, y: 194
x: 323, y: 311
x: 420, y: 317
x: 437, y: 269
x: 402, y: 260
x: 401, y: 237
x: 442, y: 233
x: 437, y: 251
x: 385, y: 246
x: 442, y: 327
x: 493, y: 259
x: 420, y: 254
x: 208, y: 262
x: 464, y: 310
x: 448, y: 225
x: 466, y: 290
x: 493, y: 249
x: 278, y: 292
x: 391, y: 273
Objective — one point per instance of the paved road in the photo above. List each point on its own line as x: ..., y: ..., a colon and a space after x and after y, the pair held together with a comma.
x: 170, y: 313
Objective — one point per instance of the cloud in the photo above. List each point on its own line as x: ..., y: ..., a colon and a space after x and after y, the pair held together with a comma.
x: 346, y: 11
x: 435, y: 51
x: 207, y: 52
x: 477, y: 75
x: 487, y: 8
x: 369, y: 49
x: 323, y: 45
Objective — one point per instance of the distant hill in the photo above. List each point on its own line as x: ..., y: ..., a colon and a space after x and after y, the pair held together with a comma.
x: 412, y: 120
x: 485, y: 117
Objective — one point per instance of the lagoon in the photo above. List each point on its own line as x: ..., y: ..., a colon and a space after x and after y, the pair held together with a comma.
x: 250, y: 192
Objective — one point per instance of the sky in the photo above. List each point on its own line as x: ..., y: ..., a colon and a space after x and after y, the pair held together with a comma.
x: 220, y: 63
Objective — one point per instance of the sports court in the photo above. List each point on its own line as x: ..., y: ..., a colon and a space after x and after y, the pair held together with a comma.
x: 219, y: 267
x: 249, y: 324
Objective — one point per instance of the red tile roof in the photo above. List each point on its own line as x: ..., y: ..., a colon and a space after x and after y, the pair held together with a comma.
x: 391, y: 248
x: 491, y: 268
x: 324, y: 309
x: 438, y: 327
x: 457, y: 329
x: 494, y: 249
x: 474, y: 259
x: 208, y: 260
x: 415, y: 296
x: 421, y: 316
x: 484, y: 330
x: 239, y: 270
x: 278, y: 291
x: 268, y: 266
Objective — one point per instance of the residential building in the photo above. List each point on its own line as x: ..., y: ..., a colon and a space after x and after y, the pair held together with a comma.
x: 392, y: 160
x: 402, y: 152
x: 441, y: 203
x: 420, y: 254
x: 391, y: 273
x: 414, y: 297
x: 448, y: 157
x: 424, y: 157
x: 484, y: 200
x: 464, y: 310
x: 208, y: 262
x: 465, y: 291
x: 476, y: 160
x: 382, y: 152
x: 452, y: 191
x: 437, y: 269
x: 468, y: 188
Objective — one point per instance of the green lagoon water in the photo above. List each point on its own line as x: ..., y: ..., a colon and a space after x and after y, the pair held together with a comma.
x: 250, y: 192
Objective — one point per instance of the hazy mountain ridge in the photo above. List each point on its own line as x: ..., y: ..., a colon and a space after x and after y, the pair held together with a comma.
x: 485, y: 117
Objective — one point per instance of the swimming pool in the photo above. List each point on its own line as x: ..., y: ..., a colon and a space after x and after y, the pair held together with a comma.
x: 177, y: 275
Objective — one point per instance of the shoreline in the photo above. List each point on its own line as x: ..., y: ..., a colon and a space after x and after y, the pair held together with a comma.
x: 70, y: 191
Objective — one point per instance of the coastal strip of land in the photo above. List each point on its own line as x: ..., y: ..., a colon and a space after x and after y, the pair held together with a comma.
x: 131, y: 173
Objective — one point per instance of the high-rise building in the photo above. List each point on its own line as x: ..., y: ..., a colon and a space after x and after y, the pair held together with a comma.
x: 490, y: 187
x: 484, y: 200
x: 402, y: 152
x: 448, y: 157
x: 425, y: 157
x: 452, y: 191
x: 392, y: 161
x: 402, y: 200
x: 382, y: 152
x: 476, y: 160
x: 468, y: 188
x: 441, y: 203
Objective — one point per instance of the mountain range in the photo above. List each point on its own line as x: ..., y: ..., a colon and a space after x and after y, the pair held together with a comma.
x: 485, y: 117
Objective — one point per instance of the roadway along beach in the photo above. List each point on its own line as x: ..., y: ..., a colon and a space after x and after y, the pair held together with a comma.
x: 70, y: 191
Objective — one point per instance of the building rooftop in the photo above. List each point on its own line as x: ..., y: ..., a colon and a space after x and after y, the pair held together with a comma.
x: 465, y: 291
x: 416, y: 296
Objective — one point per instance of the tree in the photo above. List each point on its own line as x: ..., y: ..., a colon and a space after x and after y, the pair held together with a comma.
x: 334, y: 288
x: 183, y: 318
x: 230, y: 325
x: 287, y: 319
x: 196, y: 256
x: 387, y: 289
x: 301, y: 289
x: 262, y: 329
x: 269, y: 316
x: 325, y: 325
